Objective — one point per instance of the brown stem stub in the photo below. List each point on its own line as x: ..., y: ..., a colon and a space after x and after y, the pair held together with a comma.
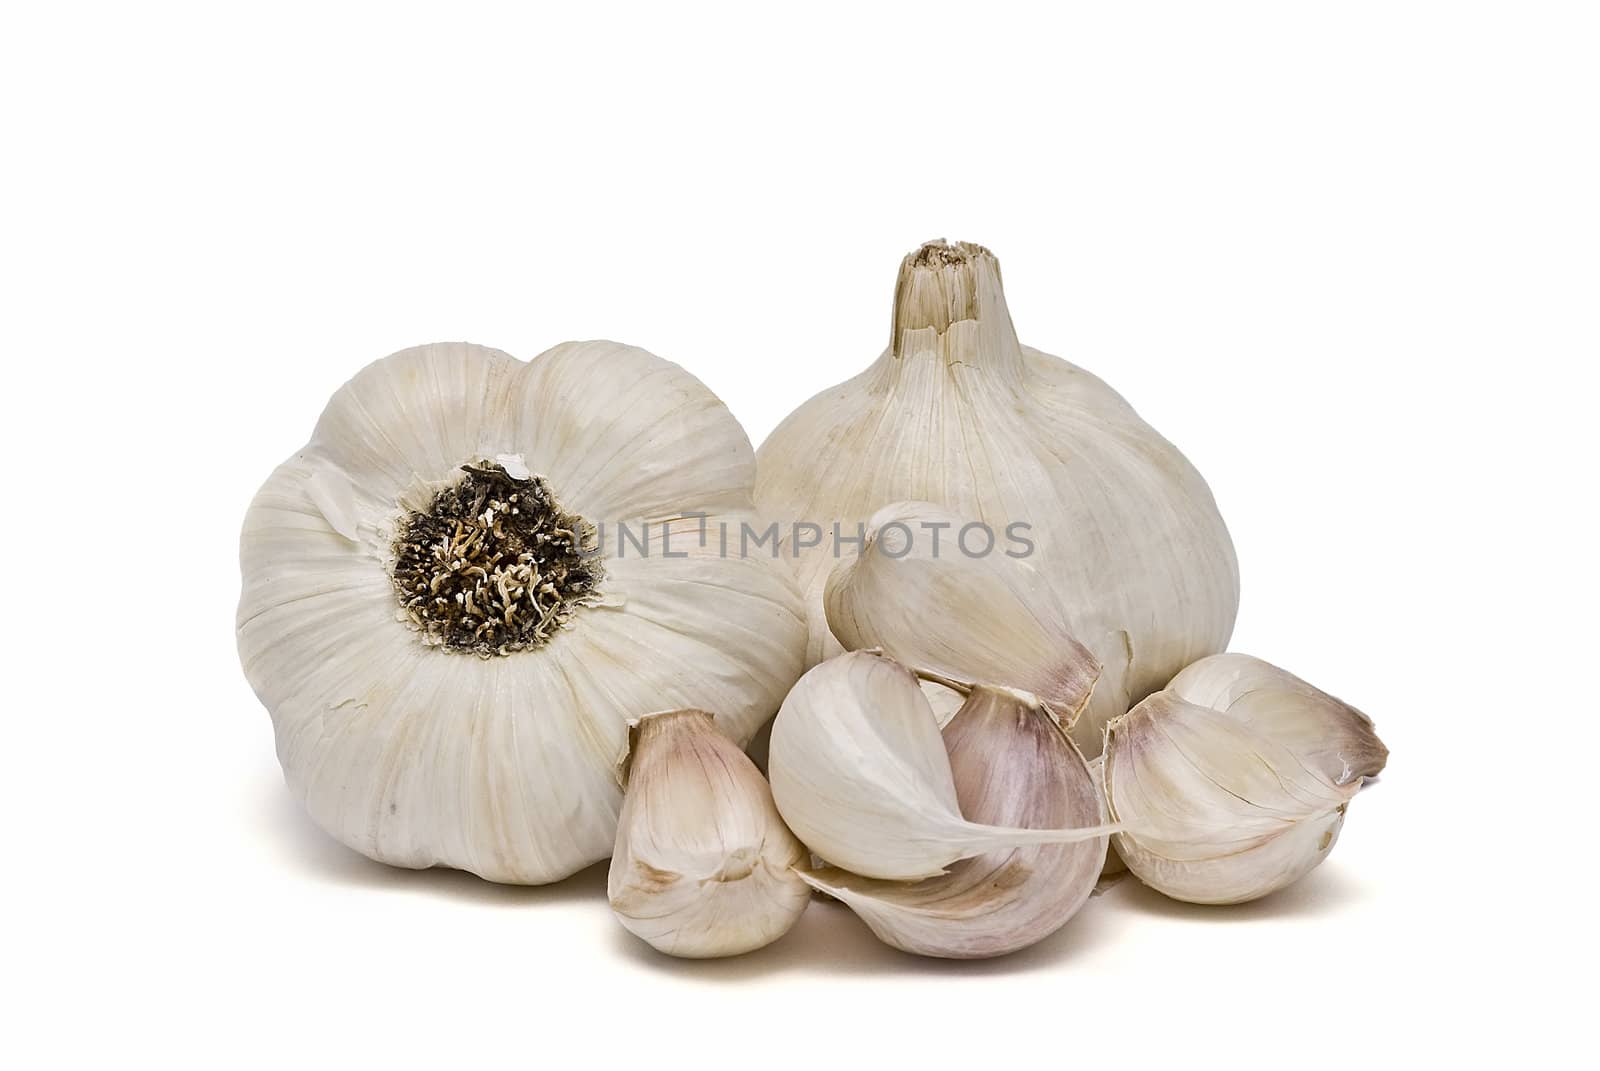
x: 946, y: 283
x: 942, y: 254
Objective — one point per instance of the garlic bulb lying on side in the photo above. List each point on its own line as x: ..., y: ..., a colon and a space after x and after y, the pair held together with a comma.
x: 956, y: 411
x: 859, y: 772
x: 702, y: 865
x: 1233, y: 781
x: 1013, y: 766
x: 940, y: 605
x: 448, y: 627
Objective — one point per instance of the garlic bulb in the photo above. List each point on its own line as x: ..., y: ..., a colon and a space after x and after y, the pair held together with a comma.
x: 956, y: 411
x: 973, y: 617
x: 1233, y: 781
x: 859, y: 772
x: 1013, y: 766
x: 457, y: 595
x: 702, y: 865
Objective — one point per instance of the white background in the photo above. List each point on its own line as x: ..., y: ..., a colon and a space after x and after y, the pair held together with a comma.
x: 1344, y: 255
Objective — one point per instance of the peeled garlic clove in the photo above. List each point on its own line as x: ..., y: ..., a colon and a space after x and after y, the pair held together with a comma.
x: 702, y: 865
x: 860, y: 773
x: 928, y: 596
x: 1013, y: 766
x: 1228, y: 802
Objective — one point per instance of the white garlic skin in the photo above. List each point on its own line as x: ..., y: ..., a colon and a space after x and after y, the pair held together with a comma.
x: 974, y: 618
x: 1328, y: 732
x: 1234, y: 781
x: 504, y: 766
x: 958, y: 412
x: 860, y: 773
x: 703, y: 862
x: 1114, y: 866
x: 1013, y: 766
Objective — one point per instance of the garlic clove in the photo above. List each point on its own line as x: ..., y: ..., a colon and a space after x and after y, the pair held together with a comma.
x: 1229, y: 803
x: 1013, y: 766
x: 1314, y: 724
x: 916, y: 592
x: 859, y: 772
x: 702, y: 865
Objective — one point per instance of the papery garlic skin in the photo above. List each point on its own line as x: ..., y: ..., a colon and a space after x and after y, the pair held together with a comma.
x: 859, y: 772
x: 957, y: 412
x: 976, y: 618
x: 1324, y: 730
x: 1230, y: 800
x: 1013, y: 766
x: 1114, y: 867
x: 703, y: 862
x: 504, y: 766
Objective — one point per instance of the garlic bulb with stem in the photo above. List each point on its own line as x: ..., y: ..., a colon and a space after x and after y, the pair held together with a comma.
x: 1233, y: 781
x: 956, y: 411
x: 860, y: 773
x: 932, y: 604
x: 703, y: 862
x: 451, y: 629
x: 1013, y: 765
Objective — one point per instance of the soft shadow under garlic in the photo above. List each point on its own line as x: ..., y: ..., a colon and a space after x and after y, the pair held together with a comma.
x: 828, y: 943
x: 312, y: 852
x: 1326, y: 891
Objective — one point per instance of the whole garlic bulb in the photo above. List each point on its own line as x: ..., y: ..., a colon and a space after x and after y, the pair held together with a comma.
x: 860, y: 773
x: 703, y: 863
x: 957, y: 412
x: 450, y: 634
x: 1013, y: 766
x: 1233, y: 781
